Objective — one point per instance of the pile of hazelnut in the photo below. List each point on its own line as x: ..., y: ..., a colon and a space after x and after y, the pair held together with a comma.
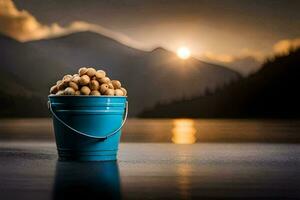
x: 88, y: 81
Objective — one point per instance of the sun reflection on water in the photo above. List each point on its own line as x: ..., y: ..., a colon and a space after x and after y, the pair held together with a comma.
x: 183, y: 131
x: 184, y: 172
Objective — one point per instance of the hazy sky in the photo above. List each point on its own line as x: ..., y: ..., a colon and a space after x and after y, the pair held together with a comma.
x: 211, y: 28
x: 203, y: 25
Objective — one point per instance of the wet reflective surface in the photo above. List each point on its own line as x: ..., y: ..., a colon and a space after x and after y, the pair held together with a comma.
x: 86, y: 180
x: 30, y: 170
x: 171, y: 130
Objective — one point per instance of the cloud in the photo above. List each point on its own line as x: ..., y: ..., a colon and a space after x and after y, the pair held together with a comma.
x: 225, y: 58
x: 284, y: 46
x: 78, y: 26
x: 22, y: 26
x: 249, y: 61
x: 245, y: 63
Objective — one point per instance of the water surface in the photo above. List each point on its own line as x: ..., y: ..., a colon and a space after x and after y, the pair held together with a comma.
x: 180, y: 131
x: 158, y: 159
x: 30, y: 170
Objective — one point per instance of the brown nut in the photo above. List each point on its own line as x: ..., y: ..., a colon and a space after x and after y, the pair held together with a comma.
x: 69, y: 91
x: 84, y: 80
x: 119, y: 92
x: 60, y: 92
x: 73, y: 85
x: 85, y: 90
x: 61, y: 85
x: 104, y: 80
x: 91, y: 72
x: 116, y: 84
x: 100, y: 74
x: 124, y: 91
x: 58, y: 82
x: 110, y: 85
x: 66, y: 83
x: 54, y: 89
x: 94, y: 85
x: 82, y: 71
x: 76, y: 78
x: 109, y: 92
x: 77, y: 92
x: 95, y: 93
x: 103, y: 88
x: 67, y: 78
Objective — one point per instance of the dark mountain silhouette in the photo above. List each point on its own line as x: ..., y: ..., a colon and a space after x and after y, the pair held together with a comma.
x: 18, y: 101
x: 270, y: 93
x: 150, y: 77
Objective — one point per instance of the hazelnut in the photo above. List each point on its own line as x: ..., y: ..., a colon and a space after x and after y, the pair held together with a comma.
x: 82, y: 71
x: 109, y: 92
x: 60, y: 92
x: 104, y: 80
x: 69, y: 91
x: 76, y: 78
x: 73, y: 85
x: 58, y: 82
x: 94, y: 85
x: 116, y: 84
x: 65, y: 83
x: 54, y: 89
x: 124, y: 91
x: 84, y: 80
x: 67, y: 78
x: 61, y: 86
x: 100, y: 74
x: 118, y: 92
x: 110, y: 85
x: 95, y: 93
x: 91, y: 72
x: 77, y: 92
x: 103, y: 88
x: 85, y: 90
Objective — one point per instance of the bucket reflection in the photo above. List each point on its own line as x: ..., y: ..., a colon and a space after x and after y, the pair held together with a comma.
x: 87, y: 180
x: 184, y: 131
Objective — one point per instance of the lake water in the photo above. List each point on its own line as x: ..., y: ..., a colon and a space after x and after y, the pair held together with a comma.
x: 179, y: 131
x: 151, y: 166
x: 30, y: 170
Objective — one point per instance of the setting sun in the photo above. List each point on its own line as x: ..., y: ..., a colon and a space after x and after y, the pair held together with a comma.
x: 183, y: 53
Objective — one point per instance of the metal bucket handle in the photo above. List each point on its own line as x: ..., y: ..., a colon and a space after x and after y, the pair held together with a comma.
x: 91, y: 136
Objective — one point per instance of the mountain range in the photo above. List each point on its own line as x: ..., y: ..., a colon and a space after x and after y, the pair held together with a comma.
x: 29, y: 69
x: 272, y: 92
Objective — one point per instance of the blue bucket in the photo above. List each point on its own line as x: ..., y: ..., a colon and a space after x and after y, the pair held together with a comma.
x: 88, y: 128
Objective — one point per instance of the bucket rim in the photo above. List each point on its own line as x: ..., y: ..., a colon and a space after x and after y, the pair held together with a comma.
x: 85, y: 96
